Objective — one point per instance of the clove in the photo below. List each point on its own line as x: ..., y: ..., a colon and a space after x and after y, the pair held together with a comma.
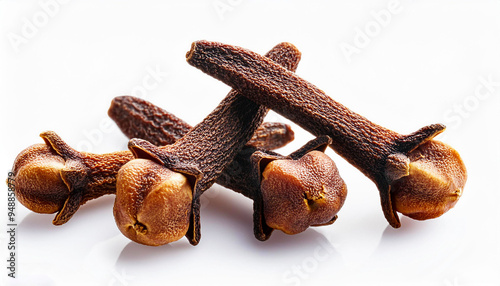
x: 294, y: 192
x: 53, y: 177
x: 415, y: 175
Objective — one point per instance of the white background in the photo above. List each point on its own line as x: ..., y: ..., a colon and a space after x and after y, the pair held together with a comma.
x: 413, y: 63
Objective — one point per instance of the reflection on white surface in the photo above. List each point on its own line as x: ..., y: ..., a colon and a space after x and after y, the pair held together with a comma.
x: 417, y: 252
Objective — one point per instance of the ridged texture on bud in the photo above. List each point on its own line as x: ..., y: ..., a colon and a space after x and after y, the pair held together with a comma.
x: 153, y: 203
x: 435, y: 182
x: 301, y: 193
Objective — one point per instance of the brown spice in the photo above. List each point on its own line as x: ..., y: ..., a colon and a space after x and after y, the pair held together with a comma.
x: 53, y: 177
x: 382, y: 155
x: 297, y: 191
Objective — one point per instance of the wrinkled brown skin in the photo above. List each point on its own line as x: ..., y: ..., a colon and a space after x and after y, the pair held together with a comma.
x: 53, y: 177
x: 381, y: 154
x: 300, y: 193
x: 437, y: 171
x: 272, y: 135
x: 39, y: 169
x: 283, y: 182
x: 143, y: 218
x: 205, y: 151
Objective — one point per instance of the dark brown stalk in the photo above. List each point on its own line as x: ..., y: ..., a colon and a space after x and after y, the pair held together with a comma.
x: 272, y: 135
x: 381, y: 154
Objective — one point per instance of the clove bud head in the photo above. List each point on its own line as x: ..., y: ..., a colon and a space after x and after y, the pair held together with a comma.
x: 152, y: 204
x: 435, y: 182
x: 302, y: 193
x: 38, y: 182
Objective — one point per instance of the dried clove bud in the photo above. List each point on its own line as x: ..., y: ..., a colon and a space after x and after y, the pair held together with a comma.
x: 280, y: 198
x: 39, y: 186
x: 300, y: 193
x: 53, y: 177
x: 436, y: 176
x: 156, y: 196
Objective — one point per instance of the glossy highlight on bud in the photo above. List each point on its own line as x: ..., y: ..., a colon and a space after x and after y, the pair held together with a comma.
x: 435, y: 181
x: 39, y: 185
x: 152, y: 204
